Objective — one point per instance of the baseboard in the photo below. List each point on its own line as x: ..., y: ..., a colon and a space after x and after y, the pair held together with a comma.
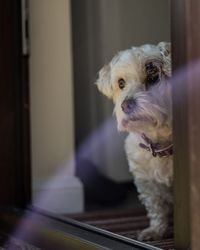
x: 59, y: 196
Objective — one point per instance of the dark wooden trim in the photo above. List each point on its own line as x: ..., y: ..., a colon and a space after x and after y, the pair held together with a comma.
x: 14, y: 111
x: 180, y: 126
x: 186, y: 103
x: 23, y: 166
x: 193, y: 87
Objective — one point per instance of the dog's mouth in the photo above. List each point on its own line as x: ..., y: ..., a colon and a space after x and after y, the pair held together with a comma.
x: 136, y: 121
x: 126, y: 121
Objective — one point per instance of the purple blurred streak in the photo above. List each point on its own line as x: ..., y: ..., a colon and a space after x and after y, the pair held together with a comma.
x: 92, y: 144
x: 97, y: 139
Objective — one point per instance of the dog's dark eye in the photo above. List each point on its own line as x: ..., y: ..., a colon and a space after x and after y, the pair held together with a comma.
x: 152, y: 74
x: 121, y: 83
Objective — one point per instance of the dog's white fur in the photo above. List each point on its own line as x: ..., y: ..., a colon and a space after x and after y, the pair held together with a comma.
x: 152, y: 115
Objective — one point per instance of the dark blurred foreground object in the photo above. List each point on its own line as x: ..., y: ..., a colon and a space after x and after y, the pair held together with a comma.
x: 35, y: 229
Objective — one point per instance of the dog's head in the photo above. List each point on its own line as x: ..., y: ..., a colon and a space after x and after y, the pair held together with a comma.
x: 136, y: 80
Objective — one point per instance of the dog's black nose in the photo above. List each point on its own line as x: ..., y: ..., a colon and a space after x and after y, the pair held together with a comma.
x: 128, y: 105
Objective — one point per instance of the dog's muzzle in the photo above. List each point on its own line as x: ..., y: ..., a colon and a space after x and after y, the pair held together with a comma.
x: 128, y: 105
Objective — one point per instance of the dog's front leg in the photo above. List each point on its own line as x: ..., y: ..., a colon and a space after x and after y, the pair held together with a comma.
x: 156, y: 199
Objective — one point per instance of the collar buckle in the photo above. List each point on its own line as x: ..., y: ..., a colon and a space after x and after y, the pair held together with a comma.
x: 156, y: 149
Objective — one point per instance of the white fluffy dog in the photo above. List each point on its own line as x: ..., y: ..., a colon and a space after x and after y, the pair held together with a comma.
x: 136, y: 80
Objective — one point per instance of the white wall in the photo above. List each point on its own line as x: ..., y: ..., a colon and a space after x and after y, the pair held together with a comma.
x: 51, y: 92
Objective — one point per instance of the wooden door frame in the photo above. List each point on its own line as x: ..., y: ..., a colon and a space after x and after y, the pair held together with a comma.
x: 15, y: 181
x: 186, y: 102
x: 185, y: 49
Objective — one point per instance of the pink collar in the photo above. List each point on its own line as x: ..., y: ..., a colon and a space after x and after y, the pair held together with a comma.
x: 157, y: 149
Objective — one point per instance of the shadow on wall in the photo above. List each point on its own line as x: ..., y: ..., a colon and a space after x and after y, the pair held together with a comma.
x: 98, y: 150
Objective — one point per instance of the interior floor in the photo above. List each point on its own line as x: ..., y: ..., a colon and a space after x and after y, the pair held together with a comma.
x: 126, y: 222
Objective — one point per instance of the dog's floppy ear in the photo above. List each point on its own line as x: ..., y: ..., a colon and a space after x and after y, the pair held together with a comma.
x: 165, y: 50
x: 104, y: 82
